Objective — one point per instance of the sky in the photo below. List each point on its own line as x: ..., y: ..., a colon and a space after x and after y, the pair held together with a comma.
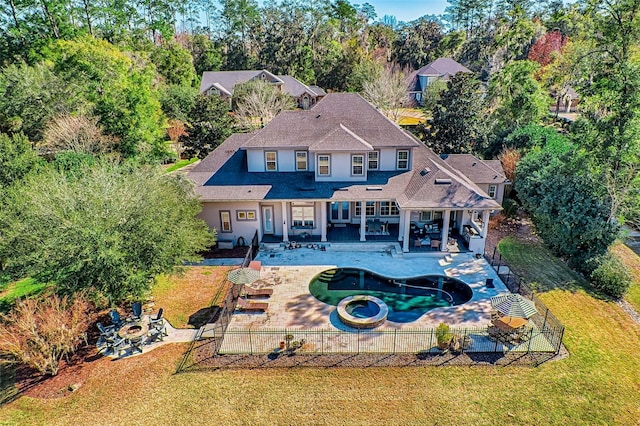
x: 406, y: 10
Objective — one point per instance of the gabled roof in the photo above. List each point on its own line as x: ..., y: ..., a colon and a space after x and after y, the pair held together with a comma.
x: 442, y: 67
x: 300, y: 128
x: 479, y: 171
x: 339, y: 122
x: 225, y: 81
x: 341, y: 139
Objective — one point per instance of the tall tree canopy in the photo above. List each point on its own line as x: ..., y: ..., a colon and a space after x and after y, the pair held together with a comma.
x: 109, y: 229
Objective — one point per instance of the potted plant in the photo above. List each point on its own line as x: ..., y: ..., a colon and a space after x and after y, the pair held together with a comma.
x: 443, y: 336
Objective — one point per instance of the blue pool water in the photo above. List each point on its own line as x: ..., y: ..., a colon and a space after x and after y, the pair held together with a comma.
x: 407, y: 299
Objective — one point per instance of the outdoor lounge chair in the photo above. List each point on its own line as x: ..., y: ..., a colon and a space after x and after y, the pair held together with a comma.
x: 115, y: 318
x: 106, y: 331
x: 245, y: 305
x: 137, y: 310
x: 256, y: 292
x: 157, y: 326
x: 114, y: 344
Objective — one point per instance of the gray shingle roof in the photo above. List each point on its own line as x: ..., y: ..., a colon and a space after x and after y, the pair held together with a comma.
x: 225, y: 81
x: 433, y: 183
x: 479, y: 171
x: 293, y: 128
x: 443, y: 67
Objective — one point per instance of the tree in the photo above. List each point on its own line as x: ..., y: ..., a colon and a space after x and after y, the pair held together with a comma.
x: 387, y: 91
x: 174, y: 63
x: 567, y: 203
x: 610, y: 99
x: 516, y: 97
x: 417, y: 43
x: 208, y: 126
x: 76, y: 133
x: 542, y: 50
x: 432, y: 94
x: 458, y: 125
x: 108, y: 229
x: 256, y: 103
x: 17, y: 158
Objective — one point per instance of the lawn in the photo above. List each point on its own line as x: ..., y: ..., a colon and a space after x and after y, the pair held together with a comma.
x: 180, y: 164
x: 187, y: 296
x: 597, y: 384
x: 18, y: 289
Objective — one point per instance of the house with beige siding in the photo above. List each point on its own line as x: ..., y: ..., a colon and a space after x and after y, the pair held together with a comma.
x: 341, y: 172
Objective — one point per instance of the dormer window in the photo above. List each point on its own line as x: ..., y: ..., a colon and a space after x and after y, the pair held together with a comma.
x: 324, y: 165
x: 357, y: 165
x: 402, y: 159
x: 271, y: 161
x: 301, y: 161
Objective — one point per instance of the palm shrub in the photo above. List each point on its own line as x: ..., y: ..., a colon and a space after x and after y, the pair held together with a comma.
x: 611, y: 276
x: 40, y: 333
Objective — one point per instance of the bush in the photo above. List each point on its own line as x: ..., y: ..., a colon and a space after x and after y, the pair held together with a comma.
x: 443, y: 335
x: 611, y: 276
x: 510, y: 207
x: 40, y: 333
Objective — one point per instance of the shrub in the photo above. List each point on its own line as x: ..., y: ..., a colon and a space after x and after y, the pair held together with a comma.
x: 443, y: 335
x: 611, y: 276
x: 40, y: 333
x: 510, y: 207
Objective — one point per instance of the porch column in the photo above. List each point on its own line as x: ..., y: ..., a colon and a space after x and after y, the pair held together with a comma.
x: 323, y: 221
x: 405, y: 230
x: 445, y: 230
x: 363, y: 220
x: 401, y: 226
x: 485, y: 223
x: 285, y: 221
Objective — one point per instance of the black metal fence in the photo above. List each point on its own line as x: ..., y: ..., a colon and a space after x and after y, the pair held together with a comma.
x: 546, y: 321
x: 419, y: 341
x: 252, y: 252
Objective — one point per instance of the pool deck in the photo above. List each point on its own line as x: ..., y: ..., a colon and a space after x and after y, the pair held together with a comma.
x: 291, y: 306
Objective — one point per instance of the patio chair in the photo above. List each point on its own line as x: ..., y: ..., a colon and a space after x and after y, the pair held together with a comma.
x: 157, y: 326
x: 115, y: 318
x: 138, y: 344
x: 106, y: 331
x: 137, y: 310
x: 256, y: 292
x: 246, y: 305
x: 114, y: 344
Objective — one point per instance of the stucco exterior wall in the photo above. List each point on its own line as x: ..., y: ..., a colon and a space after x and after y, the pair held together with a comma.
x: 239, y: 228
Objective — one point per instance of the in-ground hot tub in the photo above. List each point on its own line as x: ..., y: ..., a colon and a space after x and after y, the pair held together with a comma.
x: 362, y: 311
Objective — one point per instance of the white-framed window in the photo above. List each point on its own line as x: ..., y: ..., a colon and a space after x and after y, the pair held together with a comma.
x: 245, y: 215
x: 225, y: 221
x: 357, y: 165
x: 402, y: 158
x: 271, y: 161
x: 324, y: 165
x: 389, y: 208
x: 302, y: 215
x: 425, y: 216
x: 373, y: 160
x: 493, y: 190
x: 370, y: 209
x: 301, y: 161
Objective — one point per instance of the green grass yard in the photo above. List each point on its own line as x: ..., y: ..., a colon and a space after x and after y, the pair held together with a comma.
x: 598, y: 383
x: 18, y: 289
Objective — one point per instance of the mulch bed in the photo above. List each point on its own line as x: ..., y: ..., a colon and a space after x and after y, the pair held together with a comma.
x: 216, y: 253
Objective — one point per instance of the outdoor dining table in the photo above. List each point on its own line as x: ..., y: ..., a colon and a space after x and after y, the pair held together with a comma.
x: 509, y: 323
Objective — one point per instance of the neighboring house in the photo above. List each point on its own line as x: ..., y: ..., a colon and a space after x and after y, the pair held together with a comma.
x: 339, y: 172
x: 566, y: 100
x: 440, y: 69
x: 222, y: 83
x: 487, y: 174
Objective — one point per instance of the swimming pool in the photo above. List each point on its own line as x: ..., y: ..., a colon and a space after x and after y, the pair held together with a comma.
x: 407, y: 299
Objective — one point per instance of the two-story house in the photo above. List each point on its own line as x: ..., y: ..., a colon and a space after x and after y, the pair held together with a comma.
x: 339, y: 172
x: 222, y: 83
x: 440, y: 69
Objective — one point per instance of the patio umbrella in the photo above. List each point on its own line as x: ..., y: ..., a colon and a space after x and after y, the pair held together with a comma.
x: 243, y: 276
x: 514, y: 305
